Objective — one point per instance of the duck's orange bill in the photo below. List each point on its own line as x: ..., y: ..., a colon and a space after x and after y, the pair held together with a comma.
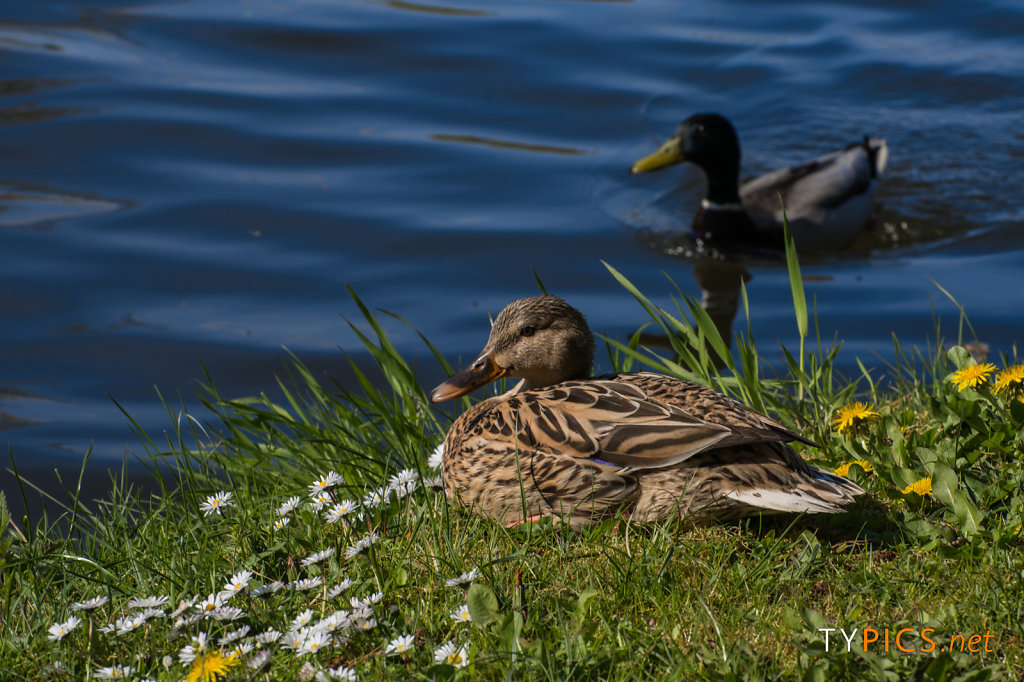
x: 483, y: 371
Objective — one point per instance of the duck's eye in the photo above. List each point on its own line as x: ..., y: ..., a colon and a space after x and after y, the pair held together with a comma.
x: 699, y: 130
x: 527, y: 331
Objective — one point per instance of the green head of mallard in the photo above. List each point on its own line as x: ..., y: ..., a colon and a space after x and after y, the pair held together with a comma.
x: 542, y: 340
x: 708, y: 141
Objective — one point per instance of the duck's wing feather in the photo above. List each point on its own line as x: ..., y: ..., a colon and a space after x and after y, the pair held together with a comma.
x: 622, y: 421
x: 491, y: 467
x: 823, y: 184
x: 747, y: 425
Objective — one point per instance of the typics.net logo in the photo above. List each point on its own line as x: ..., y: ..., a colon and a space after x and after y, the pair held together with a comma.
x: 907, y: 640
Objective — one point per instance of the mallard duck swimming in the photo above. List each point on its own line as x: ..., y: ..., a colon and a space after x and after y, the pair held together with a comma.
x: 827, y: 200
x: 581, y: 449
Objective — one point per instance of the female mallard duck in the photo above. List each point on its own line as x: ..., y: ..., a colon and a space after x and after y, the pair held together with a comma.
x: 827, y: 200
x: 643, y: 445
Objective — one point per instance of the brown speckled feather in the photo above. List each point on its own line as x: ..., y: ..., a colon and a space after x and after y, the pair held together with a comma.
x: 641, y: 444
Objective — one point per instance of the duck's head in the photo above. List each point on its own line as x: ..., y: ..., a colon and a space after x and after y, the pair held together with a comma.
x: 706, y: 140
x: 543, y: 340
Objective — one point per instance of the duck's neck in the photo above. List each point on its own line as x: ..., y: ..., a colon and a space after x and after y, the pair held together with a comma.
x: 723, y: 181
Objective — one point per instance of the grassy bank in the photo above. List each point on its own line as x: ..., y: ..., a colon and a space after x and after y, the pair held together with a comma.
x: 371, y: 574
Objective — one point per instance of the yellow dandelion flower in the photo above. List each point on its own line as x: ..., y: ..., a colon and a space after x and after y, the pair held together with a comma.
x: 972, y: 376
x: 211, y: 667
x: 849, y: 416
x: 922, y: 487
x: 1019, y: 529
x: 844, y: 470
x: 1011, y: 380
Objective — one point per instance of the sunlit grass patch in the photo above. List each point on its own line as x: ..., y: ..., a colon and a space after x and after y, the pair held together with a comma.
x: 307, y: 538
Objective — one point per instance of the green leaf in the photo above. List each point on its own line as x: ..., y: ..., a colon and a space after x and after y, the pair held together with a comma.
x: 795, y: 280
x: 507, y: 627
x: 815, y: 674
x: 1017, y: 411
x: 580, y: 609
x: 791, y: 619
x: 401, y: 577
x: 959, y: 356
x: 814, y: 619
x: 968, y: 515
x: 483, y: 605
x: 944, y: 484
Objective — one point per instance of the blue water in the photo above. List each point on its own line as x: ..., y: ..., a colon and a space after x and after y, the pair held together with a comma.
x: 196, y: 181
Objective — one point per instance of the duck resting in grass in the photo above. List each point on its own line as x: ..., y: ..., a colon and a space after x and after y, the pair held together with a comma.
x: 640, y: 445
x: 827, y: 201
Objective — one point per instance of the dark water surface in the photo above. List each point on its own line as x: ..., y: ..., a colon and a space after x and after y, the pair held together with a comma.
x: 197, y: 180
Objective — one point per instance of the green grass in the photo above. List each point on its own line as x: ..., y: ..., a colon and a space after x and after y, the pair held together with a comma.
x: 743, y: 601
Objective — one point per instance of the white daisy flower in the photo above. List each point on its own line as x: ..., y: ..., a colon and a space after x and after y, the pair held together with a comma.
x: 146, y: 614
x: 184, y: 605
x: 403, y: 477
x: 452, y: 655
x: 404, y: 482
x: 198, y: 646
x: 399, y: 645
x: 317, y: 558
x: 302, y: 620
x: 332, y: 623
x: 461, y: 614
x: 289, y: 505
x: 226, y: 613
x: 308, y: 583
x: 335, y: 621
x: 339, y: 588
x: 268, y: 637
x: 376, y: 498
x: 362, y: 544
x: 320, y: 501
x: 217, y: 502
x: 242, y: 649
x: 107, y: 629
x: 361, y: 612
x: 339, y: 510
x: 238, y: 582
x: 325, y: 482
x: 185, y: 621
x: 282, y: 522
x: 59, y: 630
x: 234, y: 635
x: 268, y: 588
x: 366, y: 623
x: 343, y: 673
x: 129, y: 623
x: 90, y: 604
x: 405, y: 490
x: 258, y: 660
x: 294, y: 638
x: 433, y: 482
x: 211, y: 603
x: 436, y: 457
x: 367, y: 602
x: 114, y: 672
x: 147, y: 602
x: 466, y: 577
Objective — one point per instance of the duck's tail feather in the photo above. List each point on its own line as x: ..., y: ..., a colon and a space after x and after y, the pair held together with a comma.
x: 819, y: 492
x: 878, y: 153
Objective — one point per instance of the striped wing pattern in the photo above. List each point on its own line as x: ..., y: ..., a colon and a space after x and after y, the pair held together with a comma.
x: 583, y: 450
